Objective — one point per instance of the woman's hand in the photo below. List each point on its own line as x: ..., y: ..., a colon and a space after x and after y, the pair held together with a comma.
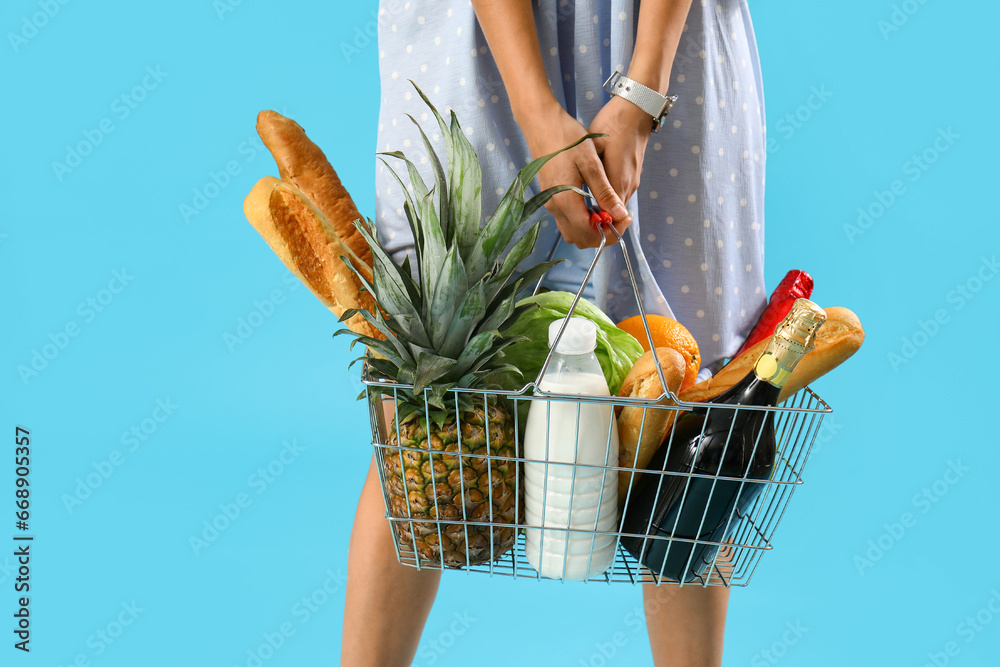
x: 509, y: 28
x: 628, y: 128
x: 611, y: 166
x: 549, y: 131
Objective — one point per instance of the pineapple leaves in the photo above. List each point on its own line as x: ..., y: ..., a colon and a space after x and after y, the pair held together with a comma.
x: 518, y: 312
x: 518, y: 253
x: 386, y: 368
x: 491, y: 349
x: 477, y: 347
x: 442, y: 298
x: 439, y: 176
x: 419, y: 192
x: 470, y: 312
x: 498, y: 317
x: 398, y: 352
x: 442, y: 320
x: 539, y: 200
x: 465, y: 188
x: 408, y: 283
x: 383, y: 325
x: 433, y: 252
x: 525, y: 280
x: 405, y: 411
x: 496, y: 234
x: 391, y: 287
x: 406, y: 266
x: 509, y: 216
x: 430, y: 369
x: 416, y: 180
x: 528, y: 173
x: 368, y: 341
x: 499, y: 287
x: 498, y: 377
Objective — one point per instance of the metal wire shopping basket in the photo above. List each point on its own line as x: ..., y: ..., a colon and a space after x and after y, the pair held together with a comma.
x: 481, y: 527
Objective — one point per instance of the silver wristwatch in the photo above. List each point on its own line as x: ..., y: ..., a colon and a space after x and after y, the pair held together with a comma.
x: 647, y: 99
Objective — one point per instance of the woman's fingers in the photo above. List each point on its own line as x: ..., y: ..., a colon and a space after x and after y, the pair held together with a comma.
x: 573, y: 220
x: 579, y: 166
x: 577, y: 227
x: 568, y: 208
x: 600, y: 187
x: 621, y: 152
x: 602, y: 221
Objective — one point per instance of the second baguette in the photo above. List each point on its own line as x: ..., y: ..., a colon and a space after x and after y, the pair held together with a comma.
x: 836, y: 340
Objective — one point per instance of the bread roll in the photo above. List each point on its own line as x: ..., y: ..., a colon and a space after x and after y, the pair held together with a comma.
x: 836, y: 340
x: 304, y: 240
x: 643, y: 381
x: 303, y: 164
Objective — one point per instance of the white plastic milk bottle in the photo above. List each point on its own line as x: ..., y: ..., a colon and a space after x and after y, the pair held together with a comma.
x: 576, y: 497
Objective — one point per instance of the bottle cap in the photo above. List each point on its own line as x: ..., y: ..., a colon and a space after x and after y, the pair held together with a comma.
x: 580, y: 336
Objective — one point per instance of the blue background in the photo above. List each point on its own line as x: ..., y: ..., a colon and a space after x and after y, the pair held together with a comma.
x: 900, y: 423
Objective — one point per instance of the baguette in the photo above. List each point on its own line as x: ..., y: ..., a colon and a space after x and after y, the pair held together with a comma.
x: 304, y: 240
x: 643, y: 381
x: 303, y: 164
x: 836, y: 340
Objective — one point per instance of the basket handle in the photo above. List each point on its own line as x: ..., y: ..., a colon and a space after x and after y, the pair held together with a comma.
x: 579, y: 295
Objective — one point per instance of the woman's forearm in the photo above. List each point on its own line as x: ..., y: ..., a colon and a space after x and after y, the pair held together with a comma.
x: 661, y: 23
x: 510, y: 31
x: 509, y: 27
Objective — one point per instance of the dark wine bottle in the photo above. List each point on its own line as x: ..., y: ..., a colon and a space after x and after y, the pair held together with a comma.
x: 724, y: 455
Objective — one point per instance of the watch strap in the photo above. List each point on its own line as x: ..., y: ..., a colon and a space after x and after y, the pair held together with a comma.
x: 647, y: 99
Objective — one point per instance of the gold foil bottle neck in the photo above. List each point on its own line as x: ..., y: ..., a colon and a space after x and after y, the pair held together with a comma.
x: 793, y: 338
x: 801, y: 324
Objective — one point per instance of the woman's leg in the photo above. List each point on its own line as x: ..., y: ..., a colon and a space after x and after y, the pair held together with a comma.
x: 387, y: 603
x: 686, y: 624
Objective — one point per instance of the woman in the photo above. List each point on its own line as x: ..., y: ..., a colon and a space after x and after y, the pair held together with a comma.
x: 525, y: 79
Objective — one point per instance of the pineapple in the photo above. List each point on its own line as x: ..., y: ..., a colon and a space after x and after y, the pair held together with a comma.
x: 469, y: 501
x: 443, y: 331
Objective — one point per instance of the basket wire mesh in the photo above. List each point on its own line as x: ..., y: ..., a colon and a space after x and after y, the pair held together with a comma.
x: 422, y: 540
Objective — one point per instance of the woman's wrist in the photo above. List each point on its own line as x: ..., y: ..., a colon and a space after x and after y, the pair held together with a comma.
x: 657, y: 38
x: 650, y: 68
x: 510, y: 31
x: 631, y: 116
x: 534, y: 106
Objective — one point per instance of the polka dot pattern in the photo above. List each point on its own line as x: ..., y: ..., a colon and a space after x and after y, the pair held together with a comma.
x: 698, y: 241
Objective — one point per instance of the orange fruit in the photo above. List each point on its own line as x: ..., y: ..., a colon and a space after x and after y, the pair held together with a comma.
x: 670, y: 333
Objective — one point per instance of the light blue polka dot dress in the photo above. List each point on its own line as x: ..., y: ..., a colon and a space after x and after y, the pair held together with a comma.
x: 697, y: 238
